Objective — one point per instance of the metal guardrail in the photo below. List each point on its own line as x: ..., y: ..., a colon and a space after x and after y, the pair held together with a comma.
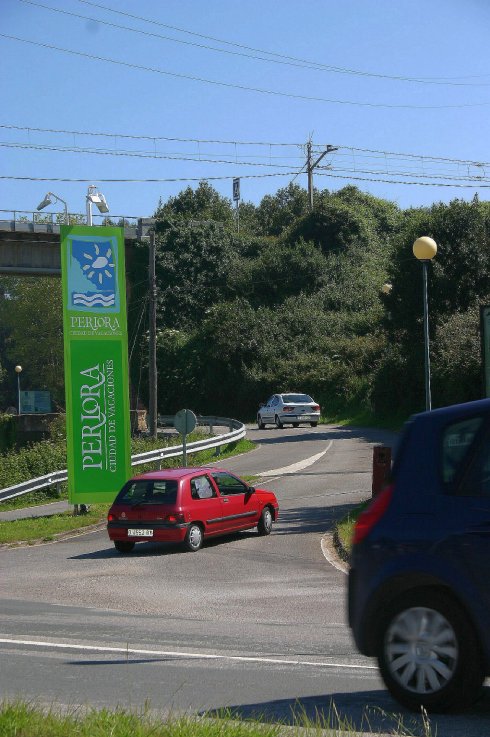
x: 237, y: 432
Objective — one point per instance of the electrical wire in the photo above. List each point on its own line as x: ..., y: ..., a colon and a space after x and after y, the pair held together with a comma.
x: 275, y: 59
x: 342, y: 149
x: 284, y: 57
x: 243, y: 88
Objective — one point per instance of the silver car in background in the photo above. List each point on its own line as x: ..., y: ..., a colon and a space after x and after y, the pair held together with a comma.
x: 288, y: 409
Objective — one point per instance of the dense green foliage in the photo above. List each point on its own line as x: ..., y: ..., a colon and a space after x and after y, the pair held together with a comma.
x: 292, y: 301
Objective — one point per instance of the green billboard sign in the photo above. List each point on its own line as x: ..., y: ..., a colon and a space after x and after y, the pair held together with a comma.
x: 96, y: 362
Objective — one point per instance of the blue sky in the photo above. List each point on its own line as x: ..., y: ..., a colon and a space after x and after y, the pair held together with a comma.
x: 389, y: 77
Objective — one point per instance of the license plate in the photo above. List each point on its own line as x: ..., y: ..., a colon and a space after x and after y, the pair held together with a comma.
x: 140, y: 533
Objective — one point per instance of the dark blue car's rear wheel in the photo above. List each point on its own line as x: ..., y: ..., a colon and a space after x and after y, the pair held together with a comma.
x: 428, y: 652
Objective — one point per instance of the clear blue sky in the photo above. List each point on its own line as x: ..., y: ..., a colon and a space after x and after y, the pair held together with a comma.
x: 386, y: 45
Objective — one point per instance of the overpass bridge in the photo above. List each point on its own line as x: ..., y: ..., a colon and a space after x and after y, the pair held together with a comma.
x: 30, y: 245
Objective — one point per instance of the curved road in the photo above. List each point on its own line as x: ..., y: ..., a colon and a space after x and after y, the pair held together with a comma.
x: 254, y: 624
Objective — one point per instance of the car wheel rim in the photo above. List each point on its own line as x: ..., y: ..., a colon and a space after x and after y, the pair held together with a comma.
x: 267, y: 519
x: 421, y: 650
x: 195, y: 537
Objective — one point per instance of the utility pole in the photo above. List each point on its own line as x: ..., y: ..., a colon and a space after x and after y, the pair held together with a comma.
x: 311, y: 166
x: 152, y: 359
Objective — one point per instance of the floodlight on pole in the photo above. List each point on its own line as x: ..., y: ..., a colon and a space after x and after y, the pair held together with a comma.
x: 96, y: 198
x: 48, y: 201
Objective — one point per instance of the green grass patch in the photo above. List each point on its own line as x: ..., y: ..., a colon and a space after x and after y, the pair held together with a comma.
x: 27, y: 719
x: 34, y: 529
x: 345, y: 527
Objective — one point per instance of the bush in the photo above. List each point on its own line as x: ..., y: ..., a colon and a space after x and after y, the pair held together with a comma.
x: 8, y: 432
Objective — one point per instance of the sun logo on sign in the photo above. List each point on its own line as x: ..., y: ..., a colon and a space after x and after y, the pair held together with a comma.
x: 99, y: 267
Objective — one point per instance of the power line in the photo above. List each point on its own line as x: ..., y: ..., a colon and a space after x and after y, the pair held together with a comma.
x: 230, y: 85
x: 136, y: 154
x: 284, y: 57
x: 142, y: 181
x: 148, y: 137
x: 179, y: 157
x: 273, y: 58
x: 342, y: 149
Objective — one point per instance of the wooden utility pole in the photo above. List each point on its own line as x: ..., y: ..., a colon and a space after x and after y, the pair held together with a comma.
x: 310, y: 166
x: 152, y: 359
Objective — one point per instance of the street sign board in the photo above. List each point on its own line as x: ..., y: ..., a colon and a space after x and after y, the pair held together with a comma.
x: 35, y: 402
x: 236, y: 189
x: 185, y: 421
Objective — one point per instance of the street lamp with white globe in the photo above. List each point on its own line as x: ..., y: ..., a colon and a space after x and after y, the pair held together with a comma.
x: 424, y: 249
x: 18, y: 371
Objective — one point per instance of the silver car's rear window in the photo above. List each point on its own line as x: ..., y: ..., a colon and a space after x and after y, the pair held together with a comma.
x: 296, y: 398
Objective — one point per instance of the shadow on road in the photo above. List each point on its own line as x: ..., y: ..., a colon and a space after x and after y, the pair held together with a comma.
x: 365, y: 712
x: 302, y: 520
x: 369, y: 435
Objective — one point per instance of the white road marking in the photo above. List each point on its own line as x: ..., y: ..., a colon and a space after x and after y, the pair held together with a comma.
x: 181, y: 655
x: 295, y: 467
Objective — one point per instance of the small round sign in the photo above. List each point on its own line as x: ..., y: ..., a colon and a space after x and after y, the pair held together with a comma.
x: 185, y: 421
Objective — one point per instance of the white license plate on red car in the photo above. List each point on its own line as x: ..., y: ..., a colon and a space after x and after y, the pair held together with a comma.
x: 140, y: 533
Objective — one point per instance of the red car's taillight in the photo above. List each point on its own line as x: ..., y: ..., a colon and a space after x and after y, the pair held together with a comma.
x: 175, y: 519
x: 110, y: 517
x: 371, y: 516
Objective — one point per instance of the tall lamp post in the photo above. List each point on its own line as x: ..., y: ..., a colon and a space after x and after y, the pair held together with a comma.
x: 18, y: 370
x: 424, y: 249
x: 49, y: 201
x: 96, y: 198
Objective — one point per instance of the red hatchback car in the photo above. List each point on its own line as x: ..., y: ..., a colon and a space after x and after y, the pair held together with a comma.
x: 185, y: 505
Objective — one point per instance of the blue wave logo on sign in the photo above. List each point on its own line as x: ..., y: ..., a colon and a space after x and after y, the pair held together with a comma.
x: 93, y: 273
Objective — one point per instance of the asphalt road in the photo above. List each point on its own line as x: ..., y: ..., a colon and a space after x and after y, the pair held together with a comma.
x: 256, y: 625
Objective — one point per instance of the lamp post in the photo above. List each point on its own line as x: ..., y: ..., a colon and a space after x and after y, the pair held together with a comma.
x: 48, y: 201
x: 96, y: 198
x: 18, y: 370
x: 424, y: 249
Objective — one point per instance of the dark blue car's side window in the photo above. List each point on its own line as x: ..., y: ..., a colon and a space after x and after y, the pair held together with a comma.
x: 456, y: 441
x: 476, y: 478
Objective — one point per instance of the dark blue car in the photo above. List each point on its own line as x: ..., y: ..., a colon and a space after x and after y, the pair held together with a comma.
x: 419, y: 585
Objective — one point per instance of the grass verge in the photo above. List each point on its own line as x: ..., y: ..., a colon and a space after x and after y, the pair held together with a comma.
x: 25, y: 719
x: 345, y: 528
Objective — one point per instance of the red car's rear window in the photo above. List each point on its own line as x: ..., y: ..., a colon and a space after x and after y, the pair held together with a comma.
x: 148, y: 491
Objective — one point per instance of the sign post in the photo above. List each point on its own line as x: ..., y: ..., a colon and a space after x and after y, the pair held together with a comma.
x: 236, y: 198
x: 184, y: 422
x: 96, y: 362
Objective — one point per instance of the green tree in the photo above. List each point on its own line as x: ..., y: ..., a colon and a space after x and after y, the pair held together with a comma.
x: 31, y: 318
x: 276, y: 213
x: 201, y: 204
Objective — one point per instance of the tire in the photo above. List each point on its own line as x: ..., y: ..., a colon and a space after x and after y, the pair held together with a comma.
x: 428, y: 653
x: 313, y: 424
x: 260, y: 423
x: 123, y: 547
x: 194, y: 538
x: 278, y: 423
x: 265, y: 522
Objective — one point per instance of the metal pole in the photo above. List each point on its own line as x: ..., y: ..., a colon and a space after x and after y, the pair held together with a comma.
x: 310, y: 176
x: 428, y: 401
x: 18, y: 392
x: 152, y: 359
x: 89, y: 212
